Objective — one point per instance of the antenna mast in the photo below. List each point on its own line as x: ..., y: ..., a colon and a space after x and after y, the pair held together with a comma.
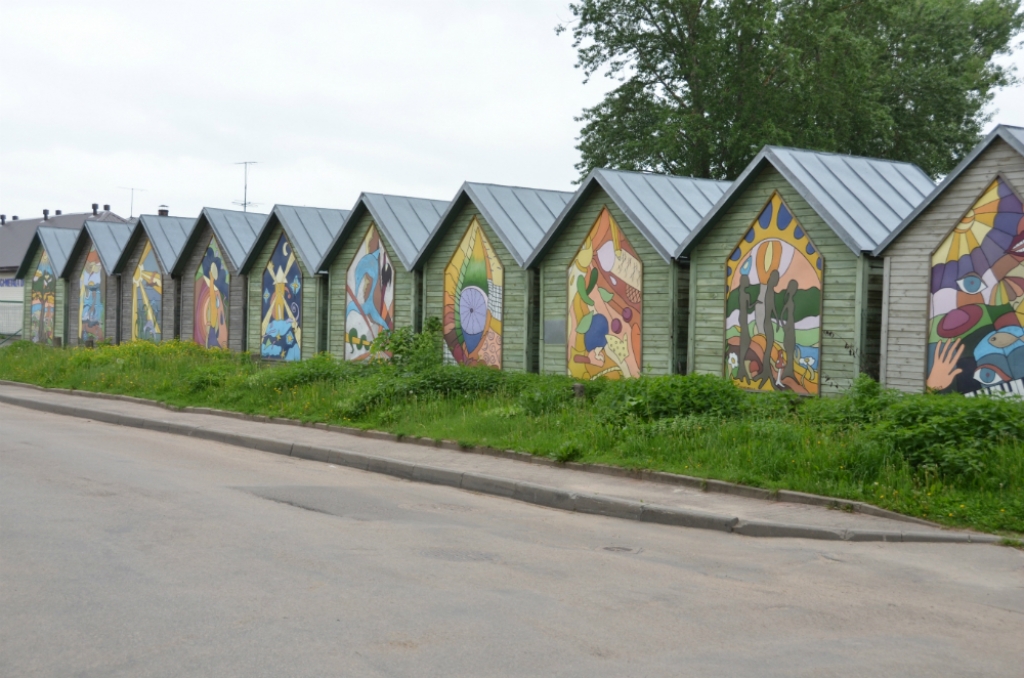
x: 131, y: 209
x: 245, y: 204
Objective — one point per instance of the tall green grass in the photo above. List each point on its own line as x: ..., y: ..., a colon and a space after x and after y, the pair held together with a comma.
x: 955, y: 460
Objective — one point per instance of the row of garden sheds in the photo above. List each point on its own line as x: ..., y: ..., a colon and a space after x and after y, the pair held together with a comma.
x: 806, y: 271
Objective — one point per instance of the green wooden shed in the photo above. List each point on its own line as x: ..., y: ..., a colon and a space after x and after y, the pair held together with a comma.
x: 785, y: 293
x: 614, y: 299
x: 953, y: 318
x: 213, y: 292
x: 93, y: 286
x: 374, y: 287
x: 475, y: 278
x: 44, y: 270
x: 288, y: 282
x: 150, y: 299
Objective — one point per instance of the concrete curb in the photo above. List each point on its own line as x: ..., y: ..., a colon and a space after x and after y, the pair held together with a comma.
x: 503, y: 487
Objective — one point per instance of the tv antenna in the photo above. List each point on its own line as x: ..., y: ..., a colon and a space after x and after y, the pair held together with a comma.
x: 245, y: 204
x: 131, y: 209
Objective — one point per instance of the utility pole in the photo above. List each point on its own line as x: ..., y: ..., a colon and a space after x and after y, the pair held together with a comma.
x: 245, y: 196
x: 131, y: 209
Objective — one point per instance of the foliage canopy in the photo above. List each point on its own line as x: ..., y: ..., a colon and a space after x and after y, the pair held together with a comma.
x: 704, y: 84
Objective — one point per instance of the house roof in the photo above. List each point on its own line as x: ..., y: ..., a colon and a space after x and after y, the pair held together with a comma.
x: 862, y: 199
x: 235, y: 231
x: 58, y: 243
x: 168, y: 236
x: 520, y: 216
x: 311, y: 230
x: 15, y: 236
x: 665, y: 208
x: 1014, y: 136
x: 110, y: 239
x: 406, y: 222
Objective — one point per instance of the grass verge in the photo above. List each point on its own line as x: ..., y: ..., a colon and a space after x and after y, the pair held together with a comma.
x: 957, y: 461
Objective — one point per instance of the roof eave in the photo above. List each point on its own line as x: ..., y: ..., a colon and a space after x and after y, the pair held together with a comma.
x: 30, y: 253
x: 999, y: 132
x: 431, y: 243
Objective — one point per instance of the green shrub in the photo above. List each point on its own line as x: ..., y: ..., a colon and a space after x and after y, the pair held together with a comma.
x: 651, y: 398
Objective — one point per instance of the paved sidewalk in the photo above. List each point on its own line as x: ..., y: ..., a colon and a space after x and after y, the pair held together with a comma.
x: 541, y: 484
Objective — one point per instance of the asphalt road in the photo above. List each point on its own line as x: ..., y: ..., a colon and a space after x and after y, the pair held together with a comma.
x: 129, y: 553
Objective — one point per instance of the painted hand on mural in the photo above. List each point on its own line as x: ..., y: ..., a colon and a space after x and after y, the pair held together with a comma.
x: 944, y: 369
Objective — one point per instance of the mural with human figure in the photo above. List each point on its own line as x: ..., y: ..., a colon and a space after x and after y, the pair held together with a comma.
x: 90, y: 299
x: 606, y: 282
x: 213, y: 291
x: 774, y: 280
x: 369, y: 296
x: 976, y: 318
x: 147, y: 297
x: 473, y: 293
x: 281, y: 327
x: 44, y: 302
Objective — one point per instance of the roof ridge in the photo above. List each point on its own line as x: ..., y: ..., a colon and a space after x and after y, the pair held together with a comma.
x: 809, y: 151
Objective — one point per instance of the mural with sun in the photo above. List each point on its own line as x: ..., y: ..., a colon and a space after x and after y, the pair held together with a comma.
x: 774, y: 281
x: 473, y: 291
x: 976, y: 318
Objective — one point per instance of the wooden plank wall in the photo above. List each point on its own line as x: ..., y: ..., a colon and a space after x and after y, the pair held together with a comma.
x: 74, y: 284
x: 236, y: 291
x: 404, y: 283
x: 841, y: 345
x: 905, y: 343
x: 515, y: 311
x: 310, y: 312
x: 661, y: 287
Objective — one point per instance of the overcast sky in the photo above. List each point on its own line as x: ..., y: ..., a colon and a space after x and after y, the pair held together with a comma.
x: 332, y: 98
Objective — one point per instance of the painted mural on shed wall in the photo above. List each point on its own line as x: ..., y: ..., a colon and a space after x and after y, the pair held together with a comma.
x: 212, y: 294
x: 369, y: 296
x: 147, y: 297
x: 44, y: 302
x: 976, y: 319
x: 281, y: 326
x: 473, y: 294
x: 774, y: 281
x: 605, y: 305
x: 90, y: 298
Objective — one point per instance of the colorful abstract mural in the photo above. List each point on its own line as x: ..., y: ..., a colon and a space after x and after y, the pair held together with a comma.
x: 44, y: 302
x: 90, y: 299
x: 282, y: 305
x: 147, y: 297
x: 976, y: 320
x: 773, y: 309
x: 605, y: 304
x: 213, y: 285
x: 369, y: 296
x: 473, y: 291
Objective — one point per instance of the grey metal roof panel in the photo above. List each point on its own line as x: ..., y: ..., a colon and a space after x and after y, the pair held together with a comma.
x: 311, y: 230
x: 110, y: 239
x: 1014, y: 136
x: 16, y: 236
x: 236, y: 231
x: 862, y: 199
x: 58, y: 243
x: 168, y: 236
x: 406, y: 222
x: 520, y: 216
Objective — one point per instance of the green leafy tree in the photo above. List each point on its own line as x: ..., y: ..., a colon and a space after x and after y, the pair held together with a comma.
x: 704, y: 84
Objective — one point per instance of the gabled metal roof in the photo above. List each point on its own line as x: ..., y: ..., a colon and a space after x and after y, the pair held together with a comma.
x: 58, y: 243
x: 1014, y: 136
x: 862, y: 199
x: 110, y: 239
x: 311, y: 230
x: 168, y: 236
x: 406, y: 223
x: 520, y: 216
x: 664, y: 208
x: 236, y: 232
x: 16, y: 235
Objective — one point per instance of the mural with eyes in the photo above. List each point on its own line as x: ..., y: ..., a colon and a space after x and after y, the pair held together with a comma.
x: 976, y: 318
